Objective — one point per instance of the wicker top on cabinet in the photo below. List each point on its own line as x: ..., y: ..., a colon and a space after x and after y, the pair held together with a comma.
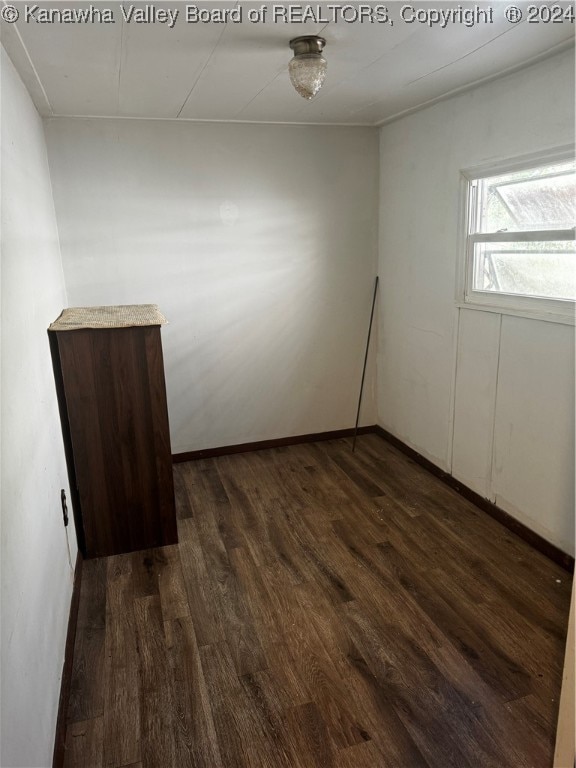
x: 123, y: 316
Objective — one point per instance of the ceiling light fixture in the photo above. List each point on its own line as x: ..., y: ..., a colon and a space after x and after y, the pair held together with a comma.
x: 308, y: 67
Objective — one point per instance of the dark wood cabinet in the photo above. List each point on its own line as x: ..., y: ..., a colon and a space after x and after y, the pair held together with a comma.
x: 112, y: 400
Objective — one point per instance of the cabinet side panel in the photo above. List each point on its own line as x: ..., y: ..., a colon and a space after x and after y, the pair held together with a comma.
x: 161, y: 434
x: 117, y: 386
x: 116, y: 401
x: 133, y: 439
x: 85, y: 420
x: 67, y: 439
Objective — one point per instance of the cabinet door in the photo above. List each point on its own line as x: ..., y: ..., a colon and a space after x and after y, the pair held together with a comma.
x: 116, y: 404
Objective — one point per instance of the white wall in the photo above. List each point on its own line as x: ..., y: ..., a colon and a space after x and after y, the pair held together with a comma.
x: 36, y: 573
x: 258, y: 242
x: 504, y: 425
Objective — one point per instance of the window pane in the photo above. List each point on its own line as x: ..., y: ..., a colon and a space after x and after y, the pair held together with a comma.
x: 545, y: 269
x: 537, y: 198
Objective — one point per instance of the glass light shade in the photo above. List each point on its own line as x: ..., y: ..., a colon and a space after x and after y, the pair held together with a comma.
x: 307, y: 73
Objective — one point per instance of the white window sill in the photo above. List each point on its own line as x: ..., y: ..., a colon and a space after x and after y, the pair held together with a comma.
x: 532, y: 314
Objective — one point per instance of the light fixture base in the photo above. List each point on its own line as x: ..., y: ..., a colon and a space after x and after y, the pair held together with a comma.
x: 307, y: 45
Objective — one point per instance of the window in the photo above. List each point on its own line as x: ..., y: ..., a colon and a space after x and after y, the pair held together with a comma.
x: 520, y: 250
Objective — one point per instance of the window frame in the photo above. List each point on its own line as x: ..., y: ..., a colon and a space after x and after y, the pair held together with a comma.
x: 556, y: 310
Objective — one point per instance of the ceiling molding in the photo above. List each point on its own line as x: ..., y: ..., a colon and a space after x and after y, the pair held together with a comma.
x: 207, y: 120
x: 550, y: 53
x: 18, y: 53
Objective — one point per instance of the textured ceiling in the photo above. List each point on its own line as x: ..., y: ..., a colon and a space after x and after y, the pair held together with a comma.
x: 136, y: 66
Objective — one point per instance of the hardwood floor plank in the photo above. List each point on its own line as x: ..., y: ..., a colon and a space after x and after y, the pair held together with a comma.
x: 322, y: 608
x: 92, y: 608
x: 84, y: 741
x: 121, y: 668
x: 463, y: 628
x: 145, y: 564
x: 171, y: 585
x: 230, y: 611
x: 198, y: 584
x: 213, y: 502
x: 309, y: 739
x: 262, y: 699
x: 231, y: 720
x: 309, y: 661
x: 413, y: 690
x: 183, y: 505
x: 86, y: 700
x: 538, y: 728
x: 384, y: 565
x: 250, y: 505
x: 234, y: 617
x: 291, y: 689
x: 250, y: 578
x: 87, y: 686
x: 119, y: 584
x: 349, y: 489
x: 151, y: 643
x: 365, y: 755
x: 319, y: 564
x: 156, y: 700
x: 122, y: 717
x: 132, y: 765
x: 158, y: 746
x: 369, y: 485
x: 508, y: 625
x: 196, y: 743
x: 496, y: 543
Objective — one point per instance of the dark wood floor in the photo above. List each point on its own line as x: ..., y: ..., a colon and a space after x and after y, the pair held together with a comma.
x: 323, y: 608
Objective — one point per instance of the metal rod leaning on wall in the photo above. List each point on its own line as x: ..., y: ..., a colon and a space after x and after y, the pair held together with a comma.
x: 365, y: 361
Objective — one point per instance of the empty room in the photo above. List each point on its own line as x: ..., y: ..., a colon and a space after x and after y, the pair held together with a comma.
x: 288, y: 305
